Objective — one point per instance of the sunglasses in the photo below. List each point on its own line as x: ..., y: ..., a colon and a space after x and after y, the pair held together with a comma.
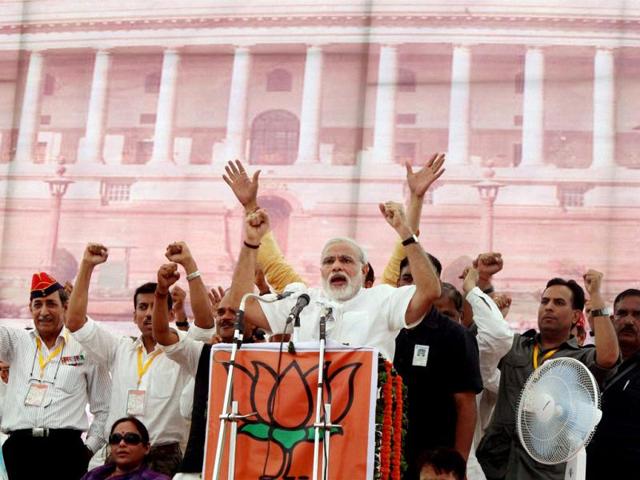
x: 129, y: 438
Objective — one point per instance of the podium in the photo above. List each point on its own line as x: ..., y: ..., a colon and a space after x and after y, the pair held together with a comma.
x: 274, y: 395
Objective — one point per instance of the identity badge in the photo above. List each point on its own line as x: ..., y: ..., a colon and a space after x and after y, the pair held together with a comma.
x: 35, y: 394
x: 420, y: 355
x: 135, y: 403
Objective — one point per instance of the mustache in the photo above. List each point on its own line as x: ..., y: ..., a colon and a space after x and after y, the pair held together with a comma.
x: 628, y: 328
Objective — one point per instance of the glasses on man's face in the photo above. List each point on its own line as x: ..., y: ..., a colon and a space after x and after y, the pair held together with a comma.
x: 130, y: 438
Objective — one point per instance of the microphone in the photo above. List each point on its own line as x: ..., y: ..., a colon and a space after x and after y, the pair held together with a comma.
x: 294, y: 315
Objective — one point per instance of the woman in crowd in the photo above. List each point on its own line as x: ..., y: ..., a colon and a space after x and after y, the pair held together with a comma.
x: 129, y: 446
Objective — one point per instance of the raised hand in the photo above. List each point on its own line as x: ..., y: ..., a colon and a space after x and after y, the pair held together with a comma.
x: 95, y: 254
x: 244, y: 188
x: 256, y: 225
x: 178, y: 252
x: 592, y: 281
x: 470, y: 277
x: 167, y: 276
x: 503, y: 301
x: 394, y: 215
x: 593, y: 284
x: 420, y: 181
x: 488, y: 264
x: 178, y: 295
x: 215, y: 297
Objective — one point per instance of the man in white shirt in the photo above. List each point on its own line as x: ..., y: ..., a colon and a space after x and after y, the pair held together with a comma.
x: 371, y: 316
x: 146, y: 384
x: 50, y: 384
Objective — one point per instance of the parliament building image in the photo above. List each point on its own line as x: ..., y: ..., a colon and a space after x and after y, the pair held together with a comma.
x: 116, y: 121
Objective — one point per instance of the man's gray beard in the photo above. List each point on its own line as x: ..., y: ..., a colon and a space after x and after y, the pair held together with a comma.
x: 345, y: 293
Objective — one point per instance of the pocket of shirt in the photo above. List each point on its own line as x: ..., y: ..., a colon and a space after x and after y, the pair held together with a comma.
x: 164, y: 381
x: 70, y: 379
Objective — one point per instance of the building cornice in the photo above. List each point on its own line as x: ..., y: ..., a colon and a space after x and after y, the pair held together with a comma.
x: 402, y: 21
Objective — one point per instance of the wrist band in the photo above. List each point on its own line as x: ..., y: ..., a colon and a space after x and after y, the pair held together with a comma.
x: 183, y: 324
x: 248, y: 245
x: 162, y: 294
x: 488, y: 291
x: 193, y: 275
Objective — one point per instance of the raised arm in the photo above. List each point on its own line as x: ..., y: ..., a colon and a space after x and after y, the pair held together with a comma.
x: 256, y: 224
x: 94, y: 254
x: 278, y: 272
x: 178, y: 252
x: 179, y: 297
x: 494, y: 335
x: 244, y: 188
x: 419, y: 183
x: 607, y: 348
x: 162, y: 332
x: 425, y: 278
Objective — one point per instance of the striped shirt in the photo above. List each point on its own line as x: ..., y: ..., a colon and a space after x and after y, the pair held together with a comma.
x: 72, y: 382
x: 162, y: 383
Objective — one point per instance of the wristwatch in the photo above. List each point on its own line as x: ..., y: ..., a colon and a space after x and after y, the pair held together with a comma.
x: 601, y: 312
x: 410, y: 240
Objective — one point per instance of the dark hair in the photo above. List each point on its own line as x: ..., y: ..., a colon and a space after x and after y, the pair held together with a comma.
x: 434, y: 261
x: 371, y: 276
x: 630, y: 292
x: 142, y: 430
x: 64, y: 296
x: 149, y: 287
x: 444, y: 460
x: 577, y: 293
x: 453, y: 293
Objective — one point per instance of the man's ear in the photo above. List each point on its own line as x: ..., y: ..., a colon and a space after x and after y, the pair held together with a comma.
x: 365, y: 269
x: 576, y: 318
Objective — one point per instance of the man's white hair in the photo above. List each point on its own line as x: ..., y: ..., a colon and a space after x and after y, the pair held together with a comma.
x: 362, y: 255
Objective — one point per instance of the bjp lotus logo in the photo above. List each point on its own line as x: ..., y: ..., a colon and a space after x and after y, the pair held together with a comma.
x: 293, y: 425
x: 277, y: 441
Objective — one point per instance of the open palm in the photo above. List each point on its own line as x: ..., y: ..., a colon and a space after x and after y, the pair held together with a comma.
x: 420, y: 181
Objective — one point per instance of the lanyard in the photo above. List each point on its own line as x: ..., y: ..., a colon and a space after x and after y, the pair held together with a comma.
x: 142, y: 369
x: 546, y: 356
x: 45, y: 361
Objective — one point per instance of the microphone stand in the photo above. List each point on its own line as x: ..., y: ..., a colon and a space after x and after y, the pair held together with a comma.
x: 319, y: 424
x: 229, y: 408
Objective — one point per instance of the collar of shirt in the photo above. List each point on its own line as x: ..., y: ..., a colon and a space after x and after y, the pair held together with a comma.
x: 62, y: 336
x: 532, y: 337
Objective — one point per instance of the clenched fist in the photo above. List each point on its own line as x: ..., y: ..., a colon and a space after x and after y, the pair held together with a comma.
x: 256, y: 225
x: 167, y: 276
x: 394, y: 215
x: 488, y: 264
x: 95, y: 254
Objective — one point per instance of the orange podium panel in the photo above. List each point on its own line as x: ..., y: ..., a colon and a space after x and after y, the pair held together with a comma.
x: 277, y: 442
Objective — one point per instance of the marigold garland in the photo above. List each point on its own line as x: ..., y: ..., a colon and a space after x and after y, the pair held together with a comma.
x: 385, y: 448
x: 391, y: 423
x: 396, y: 458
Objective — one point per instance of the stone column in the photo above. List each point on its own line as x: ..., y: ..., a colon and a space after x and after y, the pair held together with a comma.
x: 163, y: 134
x: 533, y: 109
x: 385, y: 121
x: 237, y: 112
x: 30, y: 114
x: 94, y: 134
x: 458, y: 149
x: 604, y: 109
x: 311, y: 105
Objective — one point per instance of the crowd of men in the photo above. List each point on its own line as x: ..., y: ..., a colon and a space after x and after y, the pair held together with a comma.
x: 463, y: 364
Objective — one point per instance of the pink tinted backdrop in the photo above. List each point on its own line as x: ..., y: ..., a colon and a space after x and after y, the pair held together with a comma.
x: 116, y: 119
